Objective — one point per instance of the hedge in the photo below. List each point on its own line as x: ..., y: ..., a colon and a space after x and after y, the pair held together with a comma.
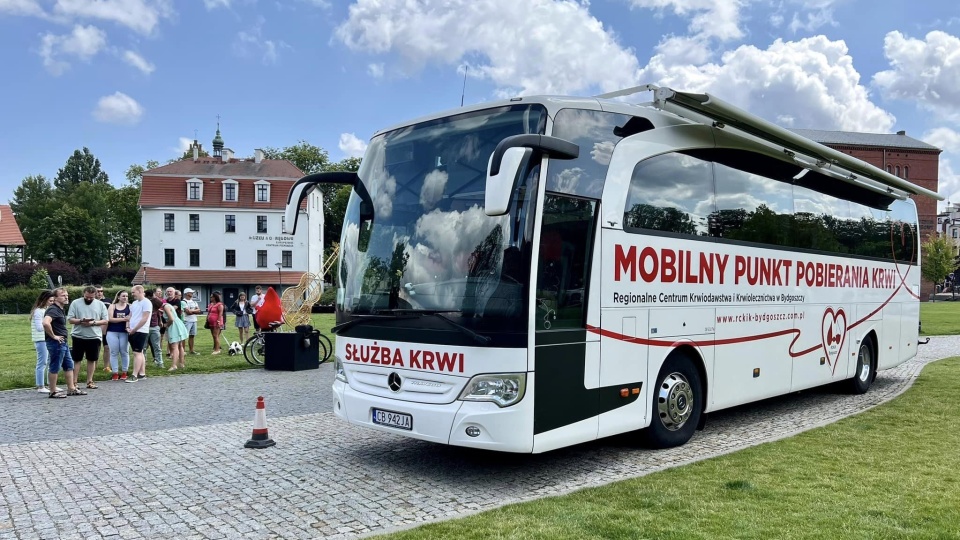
x: 19, y: 300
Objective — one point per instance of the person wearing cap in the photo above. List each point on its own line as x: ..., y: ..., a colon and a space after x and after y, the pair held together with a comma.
x: 190, y: 311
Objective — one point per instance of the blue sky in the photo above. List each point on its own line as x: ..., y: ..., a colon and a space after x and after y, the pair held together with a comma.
x: 133, y: 79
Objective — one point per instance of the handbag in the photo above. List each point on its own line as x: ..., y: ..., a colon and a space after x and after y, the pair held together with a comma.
x: 206, y: 324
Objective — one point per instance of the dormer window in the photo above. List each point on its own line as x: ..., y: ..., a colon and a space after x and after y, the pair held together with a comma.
x: 194, y: 189
x: 261, y: 190
x: 230, y: 190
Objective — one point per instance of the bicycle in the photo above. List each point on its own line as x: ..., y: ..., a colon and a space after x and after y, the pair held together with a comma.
x: 253, y: 349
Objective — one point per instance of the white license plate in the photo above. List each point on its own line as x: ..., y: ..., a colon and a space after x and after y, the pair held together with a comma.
x: 393, y: 419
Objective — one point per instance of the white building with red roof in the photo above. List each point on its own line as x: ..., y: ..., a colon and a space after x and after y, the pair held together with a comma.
x: 11, y: 239
x: 216, y: 223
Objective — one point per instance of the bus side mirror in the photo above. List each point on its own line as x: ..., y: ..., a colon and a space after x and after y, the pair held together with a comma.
x: 500, y: 186
x: 509, y: 160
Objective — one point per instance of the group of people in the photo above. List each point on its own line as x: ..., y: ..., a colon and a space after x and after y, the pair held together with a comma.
x: 130, y: 323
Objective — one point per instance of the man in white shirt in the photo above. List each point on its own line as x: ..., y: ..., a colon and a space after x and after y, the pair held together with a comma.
x: 138, y: 328
x: 190, y: 311
x: 255, y: 302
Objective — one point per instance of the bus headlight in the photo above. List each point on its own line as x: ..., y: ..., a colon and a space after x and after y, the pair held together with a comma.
x: 338, y: 369
x: 504, y: 389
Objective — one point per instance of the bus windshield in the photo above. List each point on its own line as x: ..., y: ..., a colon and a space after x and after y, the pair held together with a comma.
x: 428, y: 247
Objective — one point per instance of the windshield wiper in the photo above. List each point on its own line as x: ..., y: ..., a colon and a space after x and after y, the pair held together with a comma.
x: 438, y: 313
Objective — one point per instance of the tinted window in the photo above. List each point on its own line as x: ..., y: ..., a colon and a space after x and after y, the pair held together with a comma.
x: 750, y: 205
x: 597, y: 133
x: 671, y: 193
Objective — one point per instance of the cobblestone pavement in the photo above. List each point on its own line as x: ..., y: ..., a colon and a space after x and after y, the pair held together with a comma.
x: 156, y: 474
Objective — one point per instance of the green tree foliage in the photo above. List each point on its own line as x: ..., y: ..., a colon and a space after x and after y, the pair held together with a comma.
x: 81, y: 167
x: 32, y: 201
x: 135, y: 172
x: 74, y: 236
x: 937, y: 259
x: 123, y: 229
x: 307, y: 157
x: 39, y: 279
x: 188, y: 154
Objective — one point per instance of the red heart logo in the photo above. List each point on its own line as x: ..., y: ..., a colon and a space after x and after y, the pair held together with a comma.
x: 834, y: 332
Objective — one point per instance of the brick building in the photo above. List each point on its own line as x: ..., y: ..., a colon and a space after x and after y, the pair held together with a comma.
x: 11, y: 240
x: 898, y: 154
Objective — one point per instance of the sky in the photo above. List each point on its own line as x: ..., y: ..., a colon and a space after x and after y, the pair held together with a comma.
x: 135, y: 80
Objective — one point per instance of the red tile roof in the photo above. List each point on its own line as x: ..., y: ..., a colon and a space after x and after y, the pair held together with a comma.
x: 170, y: 189
x: 267, y: 168
x: 9, y: 230
x: 217, y: 277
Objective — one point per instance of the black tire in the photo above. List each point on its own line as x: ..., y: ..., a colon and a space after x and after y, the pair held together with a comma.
x: 253, y: 350
x: 866, y: 369
x: 677, y: 403
x: 326, y: 348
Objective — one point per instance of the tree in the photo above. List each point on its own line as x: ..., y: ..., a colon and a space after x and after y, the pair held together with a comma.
x: 73, y: 236
x: 188, y: 154
x: 32, y: 201
x: 135, y: 172
x: 123, y: 228
x: 80, y: 167
x: 307, y: 157
x: 937, y: 259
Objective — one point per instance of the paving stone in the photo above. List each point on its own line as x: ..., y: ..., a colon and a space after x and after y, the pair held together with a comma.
x: 187, y: 475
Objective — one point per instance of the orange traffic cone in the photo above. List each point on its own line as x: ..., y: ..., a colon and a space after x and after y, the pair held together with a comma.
x: 260, y: 437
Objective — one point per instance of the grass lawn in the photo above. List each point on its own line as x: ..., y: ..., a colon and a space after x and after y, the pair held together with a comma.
x: 19, y: 357
x: 879, y: 474
x: 940, y: 318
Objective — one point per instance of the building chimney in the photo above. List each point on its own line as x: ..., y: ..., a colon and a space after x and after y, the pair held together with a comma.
x: 257, y: 155
x: 196, y: 151
x: 901, y: 132
x: 227, y: 155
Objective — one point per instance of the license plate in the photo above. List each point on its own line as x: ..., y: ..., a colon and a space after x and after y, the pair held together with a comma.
x: 393, y: 419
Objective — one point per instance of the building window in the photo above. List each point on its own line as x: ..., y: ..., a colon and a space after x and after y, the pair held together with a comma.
x: 231, y: 223
x: 261, y: 224
x: 283, y: 224
x: 262, y: 190
x: 890, y: 169
x: 231, y: 258
x: 261, y: 258
x: 194, y: 222
x: 194, y: 257
x: 955, y: 233
x: 287, y: 259
x: 229, y: 192
x: 168, y: 222
x: 898, y: 170
x: 906, y: 172
x: 168, y: 258
x: 194, y: 189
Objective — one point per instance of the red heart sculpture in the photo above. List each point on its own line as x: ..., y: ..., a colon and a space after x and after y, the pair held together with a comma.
x: 834, y: 332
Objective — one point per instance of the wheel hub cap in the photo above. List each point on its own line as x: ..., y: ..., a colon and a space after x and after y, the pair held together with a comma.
x: 675, y: 401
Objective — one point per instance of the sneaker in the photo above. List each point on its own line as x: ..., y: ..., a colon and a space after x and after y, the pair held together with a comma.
x: 107, y: 369
x: 195, y: 353
x: 123, y: 376
x: 115, y: 377
x: 131, y: 379
x: 214, y: 352
x: 43, y: 390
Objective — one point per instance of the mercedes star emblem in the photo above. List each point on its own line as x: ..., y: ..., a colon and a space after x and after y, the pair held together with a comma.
x: 394, y: 381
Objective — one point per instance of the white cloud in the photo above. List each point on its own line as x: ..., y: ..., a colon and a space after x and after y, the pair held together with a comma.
x: 375, y: 70
x: 183, y: 144
x: 118, y: 108
x: 84, y: 42
x: 949, y: 181
x: 138, y: 62
x: 251, y: 43
x: 566, y: 51
x: 811, y: 82
x: 926, y: 71
x: 21, y: 7
x: 214, y: 4
x: 708, y: 18
x: 142, y: 16
x: 944, y: 138
x: 351, y: 145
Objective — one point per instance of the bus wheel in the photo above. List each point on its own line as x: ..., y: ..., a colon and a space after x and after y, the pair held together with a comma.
x: 865, y: 373
x: 677, y: 404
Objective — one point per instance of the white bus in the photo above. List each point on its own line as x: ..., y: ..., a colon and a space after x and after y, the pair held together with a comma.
x: 535, y: 273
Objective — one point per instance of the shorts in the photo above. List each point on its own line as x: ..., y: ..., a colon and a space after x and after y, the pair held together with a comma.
x: 191, y: 327
x: 89, y: 347
x: 138, y: 341
x: 163, y: 329
x: 59, y: 356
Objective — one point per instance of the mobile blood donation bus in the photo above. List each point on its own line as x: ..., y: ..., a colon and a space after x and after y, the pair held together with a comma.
x: 535, y: 273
